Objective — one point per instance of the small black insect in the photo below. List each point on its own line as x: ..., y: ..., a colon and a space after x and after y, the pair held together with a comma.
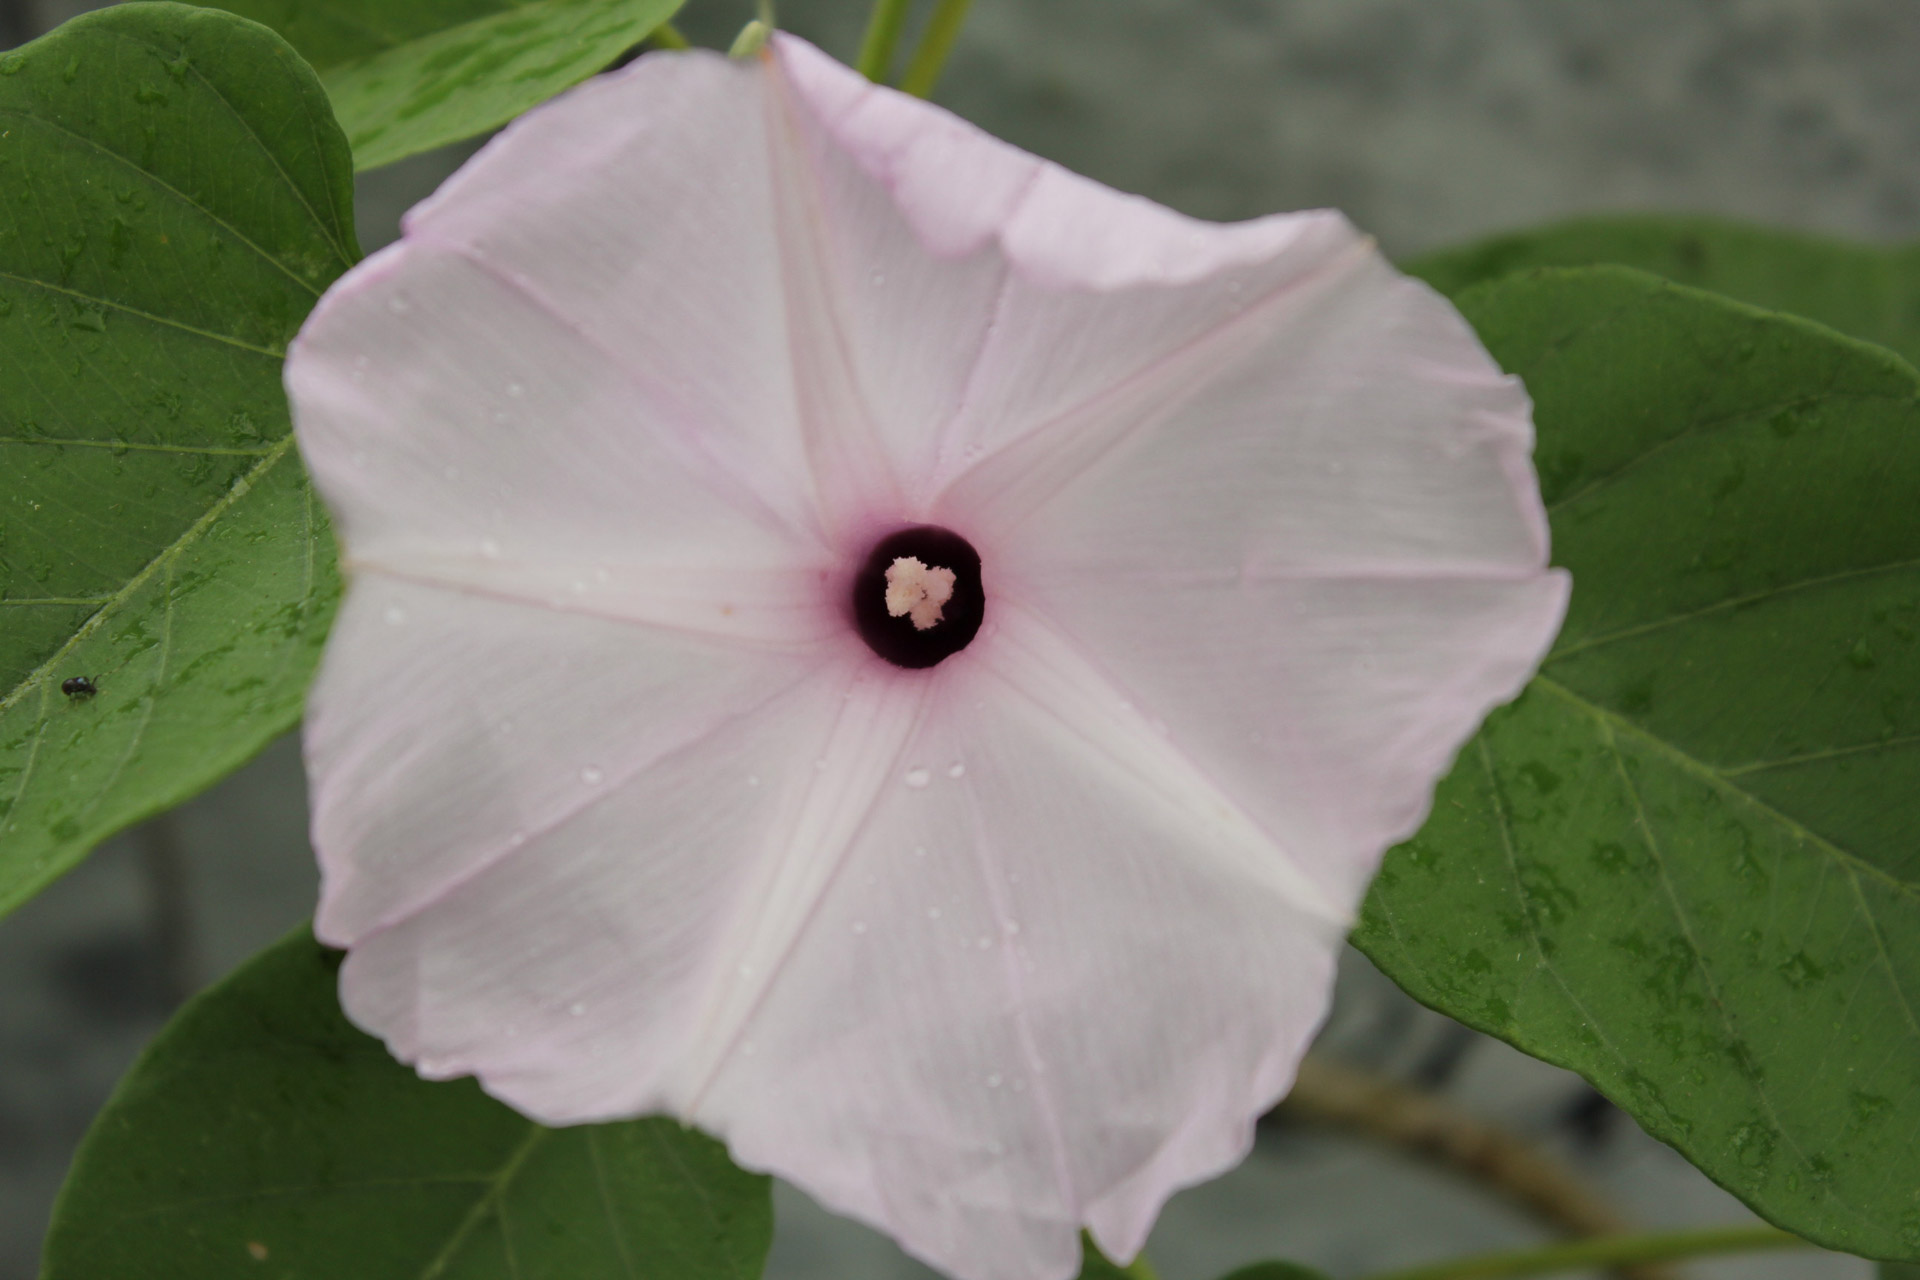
x: 79, y: 687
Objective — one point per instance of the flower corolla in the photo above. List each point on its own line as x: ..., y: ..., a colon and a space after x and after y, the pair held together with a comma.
x: 625, y: 804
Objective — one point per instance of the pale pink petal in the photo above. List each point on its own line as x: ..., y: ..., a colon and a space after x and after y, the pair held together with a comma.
x: 609, y: 965
x: 1355, y: 425
x: 450, y: 731
x: 637, y: 210
x: 1056, y: 976
x: 451, y: 421
x: 986, y: 292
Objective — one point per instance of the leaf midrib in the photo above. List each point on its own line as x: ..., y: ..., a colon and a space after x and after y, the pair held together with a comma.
x: 1722, y: 782
x: 166, y: 321
x: 167, y: 188
x: 193, y: 533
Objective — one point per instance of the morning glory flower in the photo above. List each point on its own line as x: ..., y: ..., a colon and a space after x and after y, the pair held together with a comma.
x: 883, y: 648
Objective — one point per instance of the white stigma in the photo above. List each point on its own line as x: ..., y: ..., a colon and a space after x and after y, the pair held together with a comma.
x: 917, y: 591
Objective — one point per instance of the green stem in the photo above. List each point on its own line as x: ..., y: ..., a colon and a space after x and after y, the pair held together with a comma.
x: 882, y: 38
x: 667, y: 36
x: 943, y: 28
x: 1141, y: 1269
x: 1601, y: 1251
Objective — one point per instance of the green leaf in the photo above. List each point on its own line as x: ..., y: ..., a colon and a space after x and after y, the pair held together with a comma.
x: 262, y: 1136
x: 406, y: 78
x: 1899, y: 1271
x: 1686, y: 862
x: 1866, y: 291
x: 1276, y: 1271
x: 174, y: 197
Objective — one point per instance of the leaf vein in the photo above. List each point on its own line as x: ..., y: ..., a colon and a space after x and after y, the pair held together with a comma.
x: 193, y: 533
x: 163, y: 185
x: 167, y: 321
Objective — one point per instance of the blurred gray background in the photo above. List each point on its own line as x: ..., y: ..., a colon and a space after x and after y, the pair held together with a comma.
x: 1429, y: 122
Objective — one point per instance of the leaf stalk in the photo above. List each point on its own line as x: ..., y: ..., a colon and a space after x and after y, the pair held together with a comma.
x: 943, y: 28
x: 1602, y: 1251
x: 882, y: 39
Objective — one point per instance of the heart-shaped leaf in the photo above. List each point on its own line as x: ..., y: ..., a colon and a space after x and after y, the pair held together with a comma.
x: 406, y: 78
x: 1863, y: 290
x: 1686, y: 862
x: 261, y: 1135
x: 174, y: 197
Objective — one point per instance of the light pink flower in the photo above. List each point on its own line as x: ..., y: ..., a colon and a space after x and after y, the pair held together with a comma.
x: 618, y: 812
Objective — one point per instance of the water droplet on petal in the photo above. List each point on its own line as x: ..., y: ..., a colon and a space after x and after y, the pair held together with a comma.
x: 859, y: 926
x: 956, y: 770
x: 753, y: 779
x: 933, y: 913
x: 576, y: 1009
x: 399, y: 305
x: 917, y: 778
x: 359, y: 458
x: 985, y: 943
x: 517, y: 839
x: 591, y: 774
x: 489, y: 548
x: 395, y: 615
x: 515, y: 390
x: 919, y: 851
x: 994, y: 1081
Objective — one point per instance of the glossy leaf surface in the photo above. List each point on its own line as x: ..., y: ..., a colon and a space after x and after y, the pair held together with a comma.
x: 406, y: 78
x: 1686, y: 863
x: 174, y: 197
x: 262, y: 1135
x: 1865, y: 291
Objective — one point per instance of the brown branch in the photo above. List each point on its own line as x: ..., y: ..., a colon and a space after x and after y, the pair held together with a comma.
x: 1411, y: 1120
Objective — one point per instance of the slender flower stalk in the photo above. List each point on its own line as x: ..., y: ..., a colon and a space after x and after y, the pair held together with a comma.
x: 882, y: 39
x: 1606, y: 1251
x: 943, y: 28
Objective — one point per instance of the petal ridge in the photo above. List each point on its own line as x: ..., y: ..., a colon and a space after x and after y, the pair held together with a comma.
x: 508, y: 847
x: 443, y: 573
x: 1079, y: 425
x: 1175, y: 777
x: 993, y: 877
x: 676, y: 420
x: 902, y: 704
x: 857, y: 474
x: 1035, y: 210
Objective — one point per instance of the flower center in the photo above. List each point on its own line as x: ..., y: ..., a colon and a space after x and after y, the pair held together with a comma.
x: 917, y: 599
